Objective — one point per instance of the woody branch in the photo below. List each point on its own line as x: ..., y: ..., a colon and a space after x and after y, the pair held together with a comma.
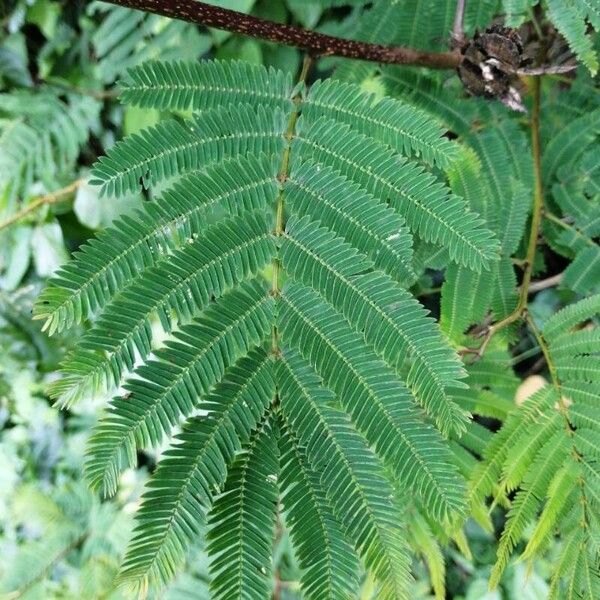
x: 316, y: 44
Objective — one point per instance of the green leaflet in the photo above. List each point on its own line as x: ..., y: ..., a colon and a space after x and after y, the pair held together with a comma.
x: 378, y: 404
x: 172, y: 384
x: 41, y: 136
x: 401, y: 126
x: 172, y: 148
x: 183, y: 282
x: 242, y: 521
x: 570, y: 19
x: 583, y: 274
x: 329, y: 566
x: 388, y: 318
x: 343, y: 207
x: 428, y: 207
x: 535, y: 484
x: 194, y: 469
x: 348, y: 470
x: 570, y: 316
x: 570, y: 142
x: 181, y: 85
x: 548, y: 451
x: 108, y: 263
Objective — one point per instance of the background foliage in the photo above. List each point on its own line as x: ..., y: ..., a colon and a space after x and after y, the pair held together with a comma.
x: 59, y: 64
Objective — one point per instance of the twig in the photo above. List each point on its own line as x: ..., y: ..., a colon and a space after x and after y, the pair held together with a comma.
x: 429, y: 292
x: 537, y: 366
x: 458, y: 31
x: 316, y: 44
x: 537, y: 286
x: 546, y: 70
x: 546, y: 352
x: 96, y: 94
x: 41, y: 201
x: 515, y: 360
x: 536, y: 220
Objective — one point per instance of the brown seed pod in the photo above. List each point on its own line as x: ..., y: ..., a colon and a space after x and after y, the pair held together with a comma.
x: 489, y: 64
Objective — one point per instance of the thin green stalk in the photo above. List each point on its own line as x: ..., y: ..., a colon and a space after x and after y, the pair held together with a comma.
x: 534, y: 231
x: 51, y: 198
x: 282, y: 177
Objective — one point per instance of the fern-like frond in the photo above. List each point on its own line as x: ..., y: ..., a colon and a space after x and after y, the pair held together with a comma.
x: 527, y: 500
x: 193, y: 471
x: 428, y: 92
x: 181, y: 85
x: 583, y: 274
x: 389, y: 319
x: 126, y: 37
x: 566, y: 568
x: 359, y: 495
x: 570, y: 316
x: 404, y: 128
x: 559, y: 497
x: 506, y: 182
x: 423, y: 539
x: 504, y: 289
x: 342, y: 206
x: 41, y: 137
x: 168, y: 387
x: 483, y: 402
x: 570, y: 142
x: 570, y: 19
x: 109, y: 262
x: 429, y: 209
x: 458, y: 308
x: 328, y: 562
x: 549, y: 450
x: 379, y: 405
x: 184, y: 282
x: 173, y: 148
x: 324, y: 191
x: 521, y: 455
x: 487, y: 474
x: 241, y: 525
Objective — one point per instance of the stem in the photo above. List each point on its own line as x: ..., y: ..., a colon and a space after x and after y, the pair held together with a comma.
x: 96, y: 94
x: 546, y: 70
x: 524, y: 355
x: 536, y: 286
x: 282, y: 177
x: 536, y: 220
x: 458, y: 31
x: 316, y: 44
x: 546, y: 352
x: 41, y: 201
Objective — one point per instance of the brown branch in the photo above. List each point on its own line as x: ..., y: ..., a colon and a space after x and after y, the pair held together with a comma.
x: 316, y: 44
x: 41, y: 201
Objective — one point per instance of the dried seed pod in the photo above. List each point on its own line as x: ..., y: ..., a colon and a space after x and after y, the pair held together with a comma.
x: 489, y: 63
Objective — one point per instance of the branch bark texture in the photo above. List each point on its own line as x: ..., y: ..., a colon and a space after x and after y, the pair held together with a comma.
x: 316, y: 44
